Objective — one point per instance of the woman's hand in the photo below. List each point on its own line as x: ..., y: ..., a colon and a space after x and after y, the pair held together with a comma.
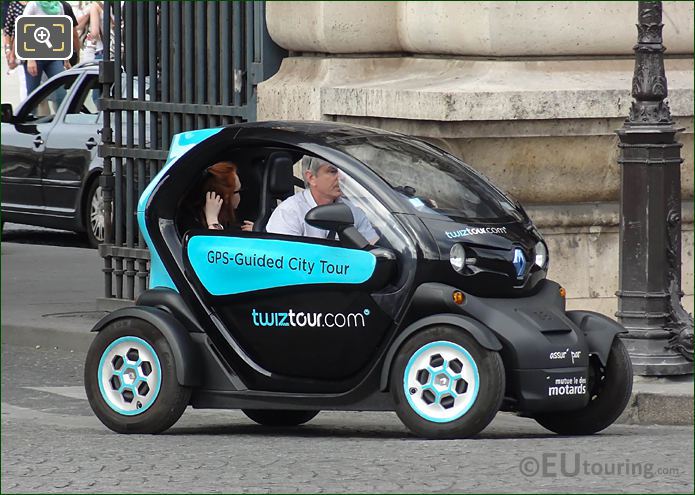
x: 247, y: 226
x: 213, y: 205
x: 32, y: 68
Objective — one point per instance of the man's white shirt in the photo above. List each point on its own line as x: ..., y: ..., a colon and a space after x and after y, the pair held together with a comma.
x: 288, y: 218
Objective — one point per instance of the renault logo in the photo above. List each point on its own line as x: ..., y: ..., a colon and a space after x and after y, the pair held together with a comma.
x: 519, y: 262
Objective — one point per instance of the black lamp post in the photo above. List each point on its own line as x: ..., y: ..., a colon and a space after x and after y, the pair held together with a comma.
x: 660, y: 331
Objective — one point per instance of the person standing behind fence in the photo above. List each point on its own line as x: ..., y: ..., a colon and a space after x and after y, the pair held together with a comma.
x: 35, y: 68
x: 14, y: 10
x: 93, y: 25
x: 67, y: 8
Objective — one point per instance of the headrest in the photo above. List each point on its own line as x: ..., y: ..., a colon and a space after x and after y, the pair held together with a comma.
x: 280, y: 176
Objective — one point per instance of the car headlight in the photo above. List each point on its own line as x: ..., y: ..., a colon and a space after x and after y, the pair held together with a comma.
x: 541, y: 255
x: 457, y: 257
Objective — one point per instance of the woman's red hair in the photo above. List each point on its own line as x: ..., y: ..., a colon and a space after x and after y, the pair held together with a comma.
x: 221, y: 179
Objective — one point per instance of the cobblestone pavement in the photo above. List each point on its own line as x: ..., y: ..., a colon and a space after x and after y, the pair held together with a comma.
x: 51, y: 442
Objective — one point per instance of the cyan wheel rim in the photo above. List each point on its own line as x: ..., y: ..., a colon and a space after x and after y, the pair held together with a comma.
x: 130, y: 376
x: 441, y: 381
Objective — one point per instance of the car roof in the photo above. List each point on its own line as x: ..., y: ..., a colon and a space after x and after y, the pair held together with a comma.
x: 84, y: 67
x: 318, y: 132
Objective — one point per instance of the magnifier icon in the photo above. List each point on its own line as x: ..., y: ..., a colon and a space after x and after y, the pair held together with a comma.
x: 43, y: 35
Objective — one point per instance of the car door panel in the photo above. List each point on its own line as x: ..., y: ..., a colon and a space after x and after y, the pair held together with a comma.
x: 21, y: 172
x: 70, y: 149
x: 24, y: 144
x: 299, y: 307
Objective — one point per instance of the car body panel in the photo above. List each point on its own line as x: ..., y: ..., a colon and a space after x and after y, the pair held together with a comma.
x: 44, y: 184
x: 263, y: 353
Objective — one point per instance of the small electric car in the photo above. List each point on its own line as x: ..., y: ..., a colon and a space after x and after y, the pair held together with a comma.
x: 447, y: 318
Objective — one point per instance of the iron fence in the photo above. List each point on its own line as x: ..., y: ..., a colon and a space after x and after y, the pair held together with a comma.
x: 167, y: 67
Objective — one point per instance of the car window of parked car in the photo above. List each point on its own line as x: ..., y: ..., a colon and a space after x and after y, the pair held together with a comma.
x: 43, y: 106
x: 83, y: 107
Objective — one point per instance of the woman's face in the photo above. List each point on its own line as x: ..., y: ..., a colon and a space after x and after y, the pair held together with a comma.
x: 236, y: 196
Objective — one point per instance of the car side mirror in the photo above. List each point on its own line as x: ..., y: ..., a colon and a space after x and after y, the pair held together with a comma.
x: 7, y: 113
x: 338, y: 217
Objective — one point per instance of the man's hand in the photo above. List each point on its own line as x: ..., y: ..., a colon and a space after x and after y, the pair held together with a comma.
x: 32, y: 68
x: 247, y: 226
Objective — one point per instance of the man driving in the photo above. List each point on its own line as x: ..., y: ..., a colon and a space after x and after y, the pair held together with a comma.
x: 323, y: 187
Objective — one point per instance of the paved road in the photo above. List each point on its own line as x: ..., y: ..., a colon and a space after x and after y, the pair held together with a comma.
x: 51, y: 442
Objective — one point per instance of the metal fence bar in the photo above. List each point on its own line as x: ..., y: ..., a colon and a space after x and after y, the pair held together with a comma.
x: 155, y: 117
x: 141, y: 13
x: 226, y: 75
x: 176, y: 107
x: 165, y: 67
x: 248, y: 53
x: 236, y: 55
x: 199, y: 19
x: 107, y: 176
x: 130, y: 232
x: 213, y: 31
x: 177, y: 71
x: 176, y: 66
x: 118, y: 185
x: 189, y: 54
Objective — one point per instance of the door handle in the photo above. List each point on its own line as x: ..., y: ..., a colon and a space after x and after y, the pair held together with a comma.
x: 91, y: 143
x: 38, y: 141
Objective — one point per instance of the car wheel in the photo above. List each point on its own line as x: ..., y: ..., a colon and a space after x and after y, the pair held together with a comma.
x: 130, y: 379
x: 609, y: 387
x: 94, y: 214
x: 277, y: 417
x: 446, y: 385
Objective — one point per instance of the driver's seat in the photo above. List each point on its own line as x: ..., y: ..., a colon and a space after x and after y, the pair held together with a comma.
x: 278, y: 185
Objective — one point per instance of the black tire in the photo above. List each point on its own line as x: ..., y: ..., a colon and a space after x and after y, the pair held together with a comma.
x: 169, y: 399
x: 477, y: 403
x: 278, y: 417
x: 610, y: 389
x: 93, y: 222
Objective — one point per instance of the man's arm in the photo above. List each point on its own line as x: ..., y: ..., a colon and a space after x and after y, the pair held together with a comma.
x: 364, y: 226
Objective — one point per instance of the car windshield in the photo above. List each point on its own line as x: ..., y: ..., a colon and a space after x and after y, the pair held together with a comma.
x: 429, y: 179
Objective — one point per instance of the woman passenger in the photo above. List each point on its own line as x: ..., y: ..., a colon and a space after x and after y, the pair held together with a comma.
x: 219, y: 198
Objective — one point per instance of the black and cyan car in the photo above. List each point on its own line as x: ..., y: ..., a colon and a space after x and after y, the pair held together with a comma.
x: 50, y: 166
x: 447, y: 319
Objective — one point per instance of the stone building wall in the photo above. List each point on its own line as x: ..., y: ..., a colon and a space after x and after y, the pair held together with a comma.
x: 529, y: 93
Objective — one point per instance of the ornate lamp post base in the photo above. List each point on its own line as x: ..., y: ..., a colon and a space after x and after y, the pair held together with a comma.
x: 651, y: 357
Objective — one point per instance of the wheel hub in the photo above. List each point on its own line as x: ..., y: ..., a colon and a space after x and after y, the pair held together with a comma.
x: 442, y: 381
x: 96, y: 214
